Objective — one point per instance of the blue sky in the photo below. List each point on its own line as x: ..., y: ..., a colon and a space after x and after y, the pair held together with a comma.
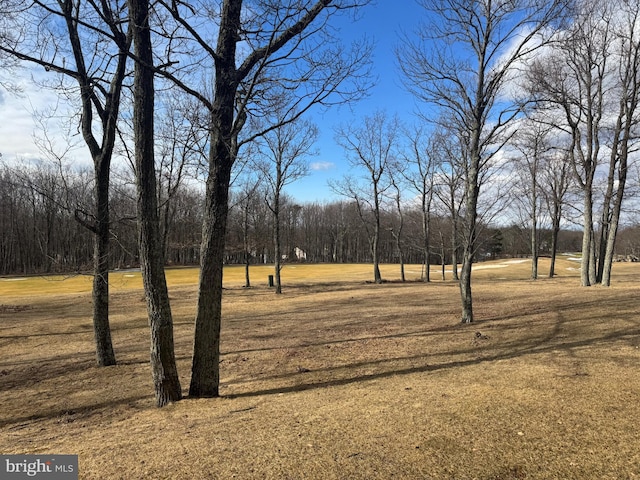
x: 383, y: 23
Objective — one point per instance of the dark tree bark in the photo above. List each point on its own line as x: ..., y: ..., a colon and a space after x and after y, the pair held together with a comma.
x: 228, y: 113
x: 163, y: 362
x: 102, y: 331
x: 101, y: 154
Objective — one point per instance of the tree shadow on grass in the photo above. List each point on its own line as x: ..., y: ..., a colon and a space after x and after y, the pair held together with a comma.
x: 70, y: 414
x: 420, y: 363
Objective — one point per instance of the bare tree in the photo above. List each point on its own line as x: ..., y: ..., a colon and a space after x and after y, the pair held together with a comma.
x: 248, y: 197
x: 259, y: 53
x: 590, y: 76
x: 625, y: 132
x: 461, y: 62
x: 181, y: 144
x: 370, y: 148
x: 573, y: 78
x: 555, y: 183
x: 531, y: 143
x: 398, y: 228
x: 421, y: 179
x: 282, y: 161
x: 449, y: 185
x: 93, y: 54
x: 163, y: 363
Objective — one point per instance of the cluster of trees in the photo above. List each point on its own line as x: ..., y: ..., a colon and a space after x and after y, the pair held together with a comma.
x: 532, y: 117
x: 41, y: 234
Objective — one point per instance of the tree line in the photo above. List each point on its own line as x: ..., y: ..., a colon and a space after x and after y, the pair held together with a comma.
x: 42, y: 235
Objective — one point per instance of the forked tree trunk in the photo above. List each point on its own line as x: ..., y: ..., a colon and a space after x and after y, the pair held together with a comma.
x: 163, y: 362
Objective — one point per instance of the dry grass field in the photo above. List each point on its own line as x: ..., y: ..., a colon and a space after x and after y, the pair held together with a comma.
x: 337, y: 378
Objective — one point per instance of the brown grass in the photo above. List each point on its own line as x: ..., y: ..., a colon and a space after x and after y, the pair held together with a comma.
x: 337, y: 378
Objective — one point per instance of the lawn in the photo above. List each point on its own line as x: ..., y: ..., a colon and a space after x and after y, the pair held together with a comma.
x: 337, y: 378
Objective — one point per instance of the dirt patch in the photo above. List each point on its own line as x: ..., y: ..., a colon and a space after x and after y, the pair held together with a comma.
x: 341, y: 380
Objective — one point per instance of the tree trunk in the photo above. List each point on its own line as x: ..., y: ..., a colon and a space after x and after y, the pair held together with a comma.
x: 593, y: 259
x: 454, y: 249
x: 469, y: 244
x: 425, y: 236
x: 377, y: 277
x: 615, y: 216
x: 102, y: 331
x: 534, y: 244
x: 555, y: 230
x: 245, y: 241
x: 163, y: 364
x: 611, y: 241
x: 586, y: 242
x: 465, y: 287
x: 277, y: 260
x: 205, y: 368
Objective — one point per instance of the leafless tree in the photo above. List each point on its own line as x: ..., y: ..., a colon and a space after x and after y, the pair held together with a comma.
x: 532, y: 149
x: 573, y: 77
x: 625, y: 132
x: 421, y: 160
x: 590, y: 76
x: 461, y: 61
x: 163, y: 363
x: 282, y: 160
x: 370, y: 149
x: 88, y: 44
x: 555, y: 182
x: 181, y: 145
x: 257, y: 54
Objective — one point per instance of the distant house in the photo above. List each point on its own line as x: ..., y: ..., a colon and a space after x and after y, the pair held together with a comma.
x: 300, y: 254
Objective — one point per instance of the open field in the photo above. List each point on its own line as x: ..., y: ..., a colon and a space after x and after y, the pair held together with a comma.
x: 337, y: 378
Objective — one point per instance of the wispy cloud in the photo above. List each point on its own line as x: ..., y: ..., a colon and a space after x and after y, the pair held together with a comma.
x: 322, y: 166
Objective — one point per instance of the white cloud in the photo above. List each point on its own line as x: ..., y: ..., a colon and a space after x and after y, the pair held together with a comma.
x: 20, y: 126
x: 322, y: 166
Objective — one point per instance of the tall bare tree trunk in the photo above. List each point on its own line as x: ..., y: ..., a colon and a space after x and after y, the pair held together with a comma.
x: 102, y: 331
x: 555, y: 230
x: 277, y: 251
x: 534, y: 238
x: 245, y: 243
x: 205, y: 368
x: 615, y: 214
x: 163, y: 362
x: 469, y: 244
x: 427, y: 247
x: 587, y: 241
x: 375, y: 250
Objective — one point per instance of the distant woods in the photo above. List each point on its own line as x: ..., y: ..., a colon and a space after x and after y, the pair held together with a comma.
x: 39, y: 232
